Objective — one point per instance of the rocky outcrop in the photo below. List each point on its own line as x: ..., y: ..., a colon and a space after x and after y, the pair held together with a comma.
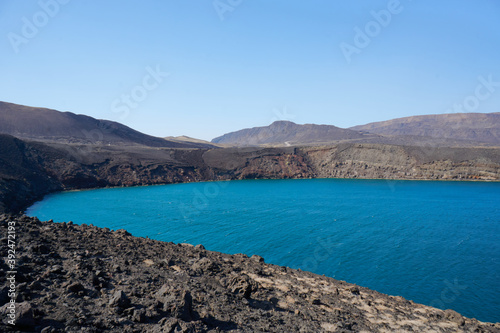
x: 30, y: 170
x: 74, y: 278
x: 22, y: 178
x: 404, y: 162
x: 369, y: 161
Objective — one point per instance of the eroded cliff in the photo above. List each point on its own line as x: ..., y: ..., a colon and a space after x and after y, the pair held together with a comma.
x: 29, y: 170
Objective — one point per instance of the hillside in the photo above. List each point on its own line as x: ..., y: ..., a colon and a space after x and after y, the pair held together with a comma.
x: 478, y: 127
x: 288, y: 133
x: 48, y: 125
x: 29, y: 170
x: 153, y: 286
x: 74, y: 279
x: 23, y: 178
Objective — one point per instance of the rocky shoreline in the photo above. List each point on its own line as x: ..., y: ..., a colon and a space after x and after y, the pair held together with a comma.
x: 80, y: 278
x: 30, y: 170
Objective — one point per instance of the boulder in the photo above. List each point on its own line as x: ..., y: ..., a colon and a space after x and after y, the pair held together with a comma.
x: 119, y: 299
x: 23, y: 316
x: 242, y: 285
x: 75, y: 287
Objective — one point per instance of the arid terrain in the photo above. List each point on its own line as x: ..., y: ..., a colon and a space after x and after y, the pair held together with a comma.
x: 85, y: 279
x: 30, y: 170
x: 478, y: 127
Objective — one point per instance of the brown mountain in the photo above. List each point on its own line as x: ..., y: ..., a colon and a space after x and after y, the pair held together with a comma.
x: 478, y: 127
x: 48, y: 125
x: 288, y: 133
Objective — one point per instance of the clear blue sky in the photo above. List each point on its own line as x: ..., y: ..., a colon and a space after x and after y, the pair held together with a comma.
x: 234, y: 64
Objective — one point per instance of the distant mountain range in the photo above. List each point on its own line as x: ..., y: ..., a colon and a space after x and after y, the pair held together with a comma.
x: 446, y: 130
x: 43, y: 150
x: 461, y: 129
x: 479, y: 127
x: 48, y: 125
x: 185, y: 138
x: 289, y: 133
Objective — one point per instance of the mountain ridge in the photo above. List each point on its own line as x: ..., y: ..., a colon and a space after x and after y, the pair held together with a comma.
x: 479, y: 127
x: 48, y: 125
x: 473, y: 129
x: 456, y: 129
x: 289, y: 133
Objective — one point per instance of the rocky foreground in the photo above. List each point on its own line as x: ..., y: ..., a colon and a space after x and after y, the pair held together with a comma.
x: 73, y: 278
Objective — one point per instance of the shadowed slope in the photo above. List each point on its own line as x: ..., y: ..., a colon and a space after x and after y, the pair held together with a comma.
x: 42, y: 124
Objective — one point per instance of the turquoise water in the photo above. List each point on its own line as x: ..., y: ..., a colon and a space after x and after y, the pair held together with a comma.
x: 436, y: 243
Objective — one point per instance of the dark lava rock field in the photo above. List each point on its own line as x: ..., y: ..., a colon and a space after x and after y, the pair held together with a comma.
x: 80, y: 278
